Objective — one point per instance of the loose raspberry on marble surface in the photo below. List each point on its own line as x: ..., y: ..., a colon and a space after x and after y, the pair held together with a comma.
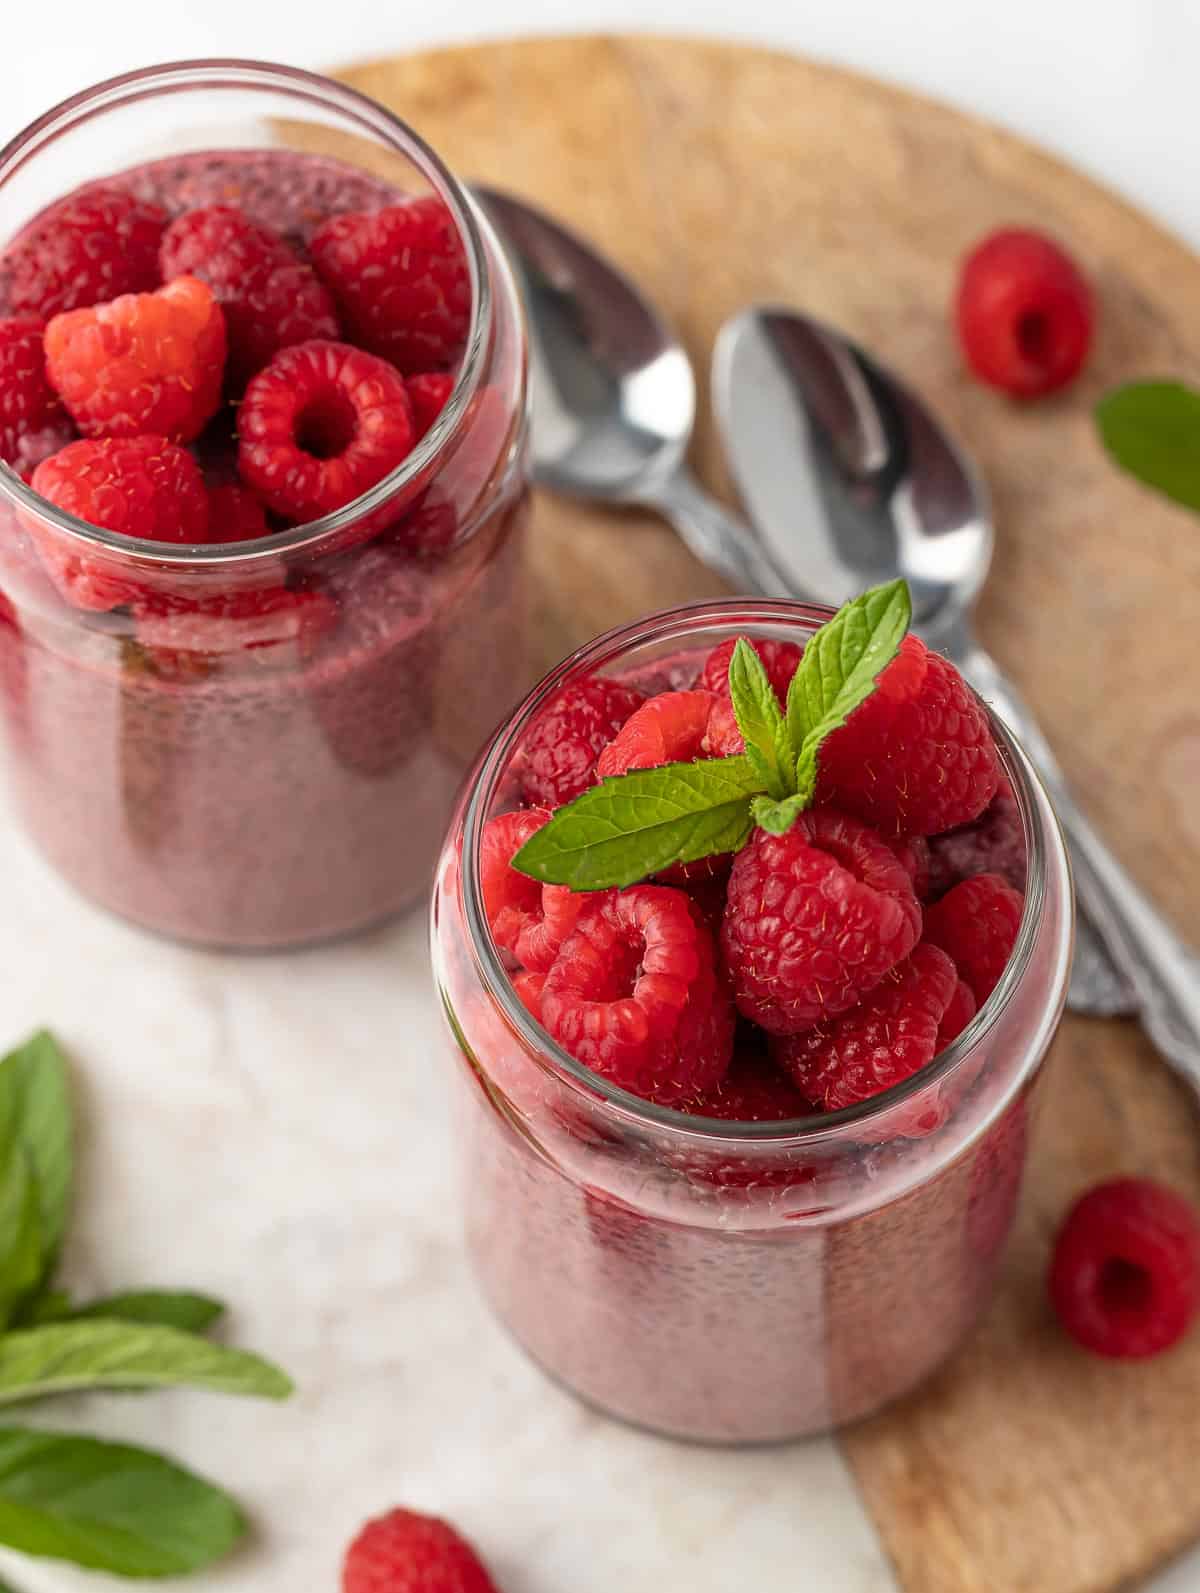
x: 636, y: 995
x: 143, y: 363
x: 889, y: 1036
x: 30, y: 411
x: 1024, y: 312
x: 406, y: 1552
x: 319, y: 426
x: 568, y: 736
x: 528, y: 921
x: 270, y: 298
x: 399, y: 277
x: 89, y: 248
x: 814, y: 920
x: 1125, y: 1275
x: 977, y: 923
x: 138, y: 486
x: 917, y: 756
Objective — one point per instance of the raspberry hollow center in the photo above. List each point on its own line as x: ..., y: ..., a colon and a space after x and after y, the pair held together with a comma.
x: 1034, y: 336
x: 326, y: 427
x: 1124, y: 1288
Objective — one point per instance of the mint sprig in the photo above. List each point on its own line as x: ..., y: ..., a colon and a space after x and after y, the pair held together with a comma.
x: 1152, y: 430
x: 107, y: 1506
x: 635, y: 825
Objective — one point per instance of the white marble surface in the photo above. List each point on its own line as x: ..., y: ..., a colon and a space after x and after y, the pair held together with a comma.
x: 271, y: 1129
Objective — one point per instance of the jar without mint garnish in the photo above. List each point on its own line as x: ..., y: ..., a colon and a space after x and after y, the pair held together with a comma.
x: 250, y: 734
x: 720, y: 1280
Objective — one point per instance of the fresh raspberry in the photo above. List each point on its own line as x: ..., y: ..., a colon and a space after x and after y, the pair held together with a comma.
x: 29, y: 406
x: 993, y: 844
x: 1024, y: 313
x: 529, y: 987
x: 429, y: 527
x: 958, y: 1014
x: 146, y: 362
x: 814, y: 920
x: 138, y: 486
x: 753, y: 1091
x: 235, y: 515
x: 568, y: 736
x: 669, y: 728
x: 917, y: 756
x: 1125, y: 1275
x: 913, y: 852
x: 270, y: 298
x: 400, y: 280
x: 722, y: 736
x: 780, y: 660
x: 269, y: 627
x: 429, y: 393
x: 319, y: 426
x: 403, y: 1552
x: 528, y: 920
x: 635, y: 995
x: 88, y: 249
x: 976, y: 923
x: 890, y: 1036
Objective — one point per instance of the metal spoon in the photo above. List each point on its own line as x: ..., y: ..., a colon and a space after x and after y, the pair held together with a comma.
x: 614, y: 396
x: 851, y: 480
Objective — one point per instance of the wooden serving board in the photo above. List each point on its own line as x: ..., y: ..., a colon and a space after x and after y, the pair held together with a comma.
x: 721, y: 175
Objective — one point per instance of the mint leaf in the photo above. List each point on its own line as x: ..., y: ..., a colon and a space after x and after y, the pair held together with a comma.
x: 35, y: 1113
x: 838, y: 671
x: 1152, y: 430
x: 53, y: 1305
x: 65, y: 1357
x: 188, y: 1313
x: 777, y: 818
x: 620, y: 831
x: 760, y: 719
x: 109, y: 1507
x: 21, y: 1251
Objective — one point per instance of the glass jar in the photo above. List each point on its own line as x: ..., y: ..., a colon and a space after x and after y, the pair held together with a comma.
x: 257, y: 743
x: 735, y: 1282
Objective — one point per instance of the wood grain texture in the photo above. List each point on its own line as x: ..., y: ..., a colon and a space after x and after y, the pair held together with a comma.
x: 719, y: 175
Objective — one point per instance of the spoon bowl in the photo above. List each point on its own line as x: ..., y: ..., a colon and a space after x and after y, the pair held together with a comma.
x: 613, y: 391
x: 888, y: 490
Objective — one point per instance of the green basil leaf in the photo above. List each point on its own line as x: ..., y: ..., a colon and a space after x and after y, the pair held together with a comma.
x: 760, y: 719
x: 65, y: 1357
x: 109, y: 1507
x: 35, y: 1112
x: 632, y: 826
x: 839, y: 669
x: 22, y: 1254
x: 1152, y: 430
x: 188, y: 1313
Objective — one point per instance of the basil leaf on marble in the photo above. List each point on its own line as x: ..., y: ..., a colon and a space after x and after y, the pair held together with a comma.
x: 109, y: 1507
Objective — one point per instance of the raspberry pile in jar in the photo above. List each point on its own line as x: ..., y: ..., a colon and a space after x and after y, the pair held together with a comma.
x: 777, y: 882
x: 216, y: 349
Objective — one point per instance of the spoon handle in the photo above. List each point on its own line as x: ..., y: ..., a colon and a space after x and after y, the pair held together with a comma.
x: 717, y: 538
x: 1163, y: 973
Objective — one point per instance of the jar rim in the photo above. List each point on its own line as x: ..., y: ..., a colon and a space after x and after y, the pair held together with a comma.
x: 1045, y: 847
x: 392, y: 131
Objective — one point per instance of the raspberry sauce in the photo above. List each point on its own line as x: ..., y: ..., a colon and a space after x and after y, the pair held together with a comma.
x: 236, y: 794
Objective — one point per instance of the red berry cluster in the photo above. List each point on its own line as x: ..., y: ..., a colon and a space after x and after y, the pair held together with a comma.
x: 129, y: 336
x: 813, y: 969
